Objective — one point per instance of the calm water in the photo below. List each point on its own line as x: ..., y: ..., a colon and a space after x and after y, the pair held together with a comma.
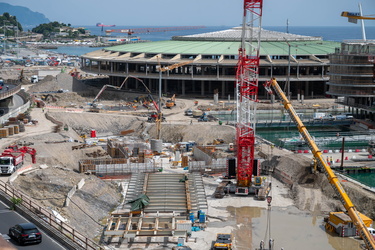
x: 365, y: 178
x: 289, y: 227
x: 337, y: 34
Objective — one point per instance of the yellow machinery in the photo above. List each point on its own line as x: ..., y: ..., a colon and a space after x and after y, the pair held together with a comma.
x: 223, y: 241
x: 340, y: 223
x: 355, y: 15
x: 171, y: 102
x: 332, y: 178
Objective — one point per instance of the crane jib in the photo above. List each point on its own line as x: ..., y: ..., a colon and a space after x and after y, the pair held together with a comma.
x: 332, y: 178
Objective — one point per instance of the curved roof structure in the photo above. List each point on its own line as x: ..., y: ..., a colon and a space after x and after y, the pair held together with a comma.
x: 211, y: 60
x: 227, y: 42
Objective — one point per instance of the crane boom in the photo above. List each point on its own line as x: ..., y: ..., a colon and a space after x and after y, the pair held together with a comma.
x: 332, y: 178
x: 355, y: 15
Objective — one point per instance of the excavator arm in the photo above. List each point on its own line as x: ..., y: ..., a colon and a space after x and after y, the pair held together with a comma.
x: 332, y: 178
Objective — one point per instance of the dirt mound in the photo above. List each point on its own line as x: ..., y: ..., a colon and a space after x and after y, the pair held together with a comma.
x: 87, y: 208
x: 311, y: 192
x: 200, y: 133
x: 102, y: 123
x: 62, y: 81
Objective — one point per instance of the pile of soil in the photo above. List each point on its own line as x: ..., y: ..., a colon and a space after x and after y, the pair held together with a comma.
x: 88, y: 208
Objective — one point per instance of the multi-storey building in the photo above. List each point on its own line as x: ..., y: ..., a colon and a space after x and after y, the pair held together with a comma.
x: 301, y: 61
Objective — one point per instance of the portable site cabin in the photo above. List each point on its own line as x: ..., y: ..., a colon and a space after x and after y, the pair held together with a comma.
x: 341, y: 223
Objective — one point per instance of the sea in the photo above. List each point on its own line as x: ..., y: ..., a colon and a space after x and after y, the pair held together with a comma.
x: 328, y: 33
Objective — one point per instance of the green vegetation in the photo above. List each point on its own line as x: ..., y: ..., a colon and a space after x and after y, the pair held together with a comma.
x: 9, y: 24
x: 15, y: 202
x: 60, y: 29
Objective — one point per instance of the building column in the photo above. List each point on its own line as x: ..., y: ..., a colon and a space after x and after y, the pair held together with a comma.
x: 202, y: 88
x: 222, y: 89
x: 209, y: 87
x: 183, y: 87
x: 149, y: 84
x: 165, y: 86
x: 111, y: 67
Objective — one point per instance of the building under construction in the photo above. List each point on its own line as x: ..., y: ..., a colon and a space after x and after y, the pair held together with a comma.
x: 352, y: 77
x: 300, y: 60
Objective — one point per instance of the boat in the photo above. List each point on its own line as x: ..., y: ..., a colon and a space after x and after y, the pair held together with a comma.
x: 105, y: 25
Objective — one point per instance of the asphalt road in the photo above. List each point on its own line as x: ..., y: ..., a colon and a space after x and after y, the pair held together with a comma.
x: 9, y: 218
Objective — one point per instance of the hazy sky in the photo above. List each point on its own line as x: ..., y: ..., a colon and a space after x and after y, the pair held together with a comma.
x: 195, y: 12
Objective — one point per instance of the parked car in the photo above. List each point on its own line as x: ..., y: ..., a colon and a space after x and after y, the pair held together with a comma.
x: 189, y: 112
x: 371, y: 230
x: 25, y: 233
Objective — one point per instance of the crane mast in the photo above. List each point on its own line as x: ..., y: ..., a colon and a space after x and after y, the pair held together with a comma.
x: 247, y: 92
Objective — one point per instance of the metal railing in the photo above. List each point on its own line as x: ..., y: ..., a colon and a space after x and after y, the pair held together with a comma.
x: 8, y: 192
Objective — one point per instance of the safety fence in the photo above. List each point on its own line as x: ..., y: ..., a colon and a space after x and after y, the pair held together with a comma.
x: 216, y: 166
x: 21, y: 109
x: 43, y: 216
x: 103, y: 167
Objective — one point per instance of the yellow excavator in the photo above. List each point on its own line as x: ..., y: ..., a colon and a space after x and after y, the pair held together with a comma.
x: 171, y: 102
x: 332, y: 178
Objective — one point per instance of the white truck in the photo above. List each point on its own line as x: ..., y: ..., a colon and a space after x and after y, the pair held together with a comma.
x: 34, y: 79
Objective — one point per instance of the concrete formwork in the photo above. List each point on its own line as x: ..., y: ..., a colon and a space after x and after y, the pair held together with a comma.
x: 174, y: 195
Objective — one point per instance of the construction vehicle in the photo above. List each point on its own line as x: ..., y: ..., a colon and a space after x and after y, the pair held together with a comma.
x: 13, y: 158
x: 332, y: 178
x: 218, y: 141
x: 223, y: 241
x: 203, y: 118
x: 74, y: 73
x: 340, y: 223
x: 171, y: 102
x: 247, y: 76
x: 34, y: 79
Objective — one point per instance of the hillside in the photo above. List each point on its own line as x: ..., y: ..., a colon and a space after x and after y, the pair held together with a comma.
x: 24, y: 15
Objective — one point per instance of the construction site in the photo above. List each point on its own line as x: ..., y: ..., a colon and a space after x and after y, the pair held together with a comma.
x: 143, y: 170
x: 159, y: 185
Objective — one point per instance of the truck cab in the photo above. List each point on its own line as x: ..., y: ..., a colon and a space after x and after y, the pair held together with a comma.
x: 34, y: 79
x: 6, y: 165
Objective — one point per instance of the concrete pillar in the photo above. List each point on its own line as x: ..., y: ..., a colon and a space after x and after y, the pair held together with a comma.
x: 202, y: 88
x: 149, y: 84
x: 209, y: 86
x: 165, y: 86
x: 222, y: 89
x: 183, y: 87
x: 111, y: 67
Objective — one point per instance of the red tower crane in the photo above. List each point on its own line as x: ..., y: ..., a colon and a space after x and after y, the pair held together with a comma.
x: 149, y: 30
x: 247, y: 93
